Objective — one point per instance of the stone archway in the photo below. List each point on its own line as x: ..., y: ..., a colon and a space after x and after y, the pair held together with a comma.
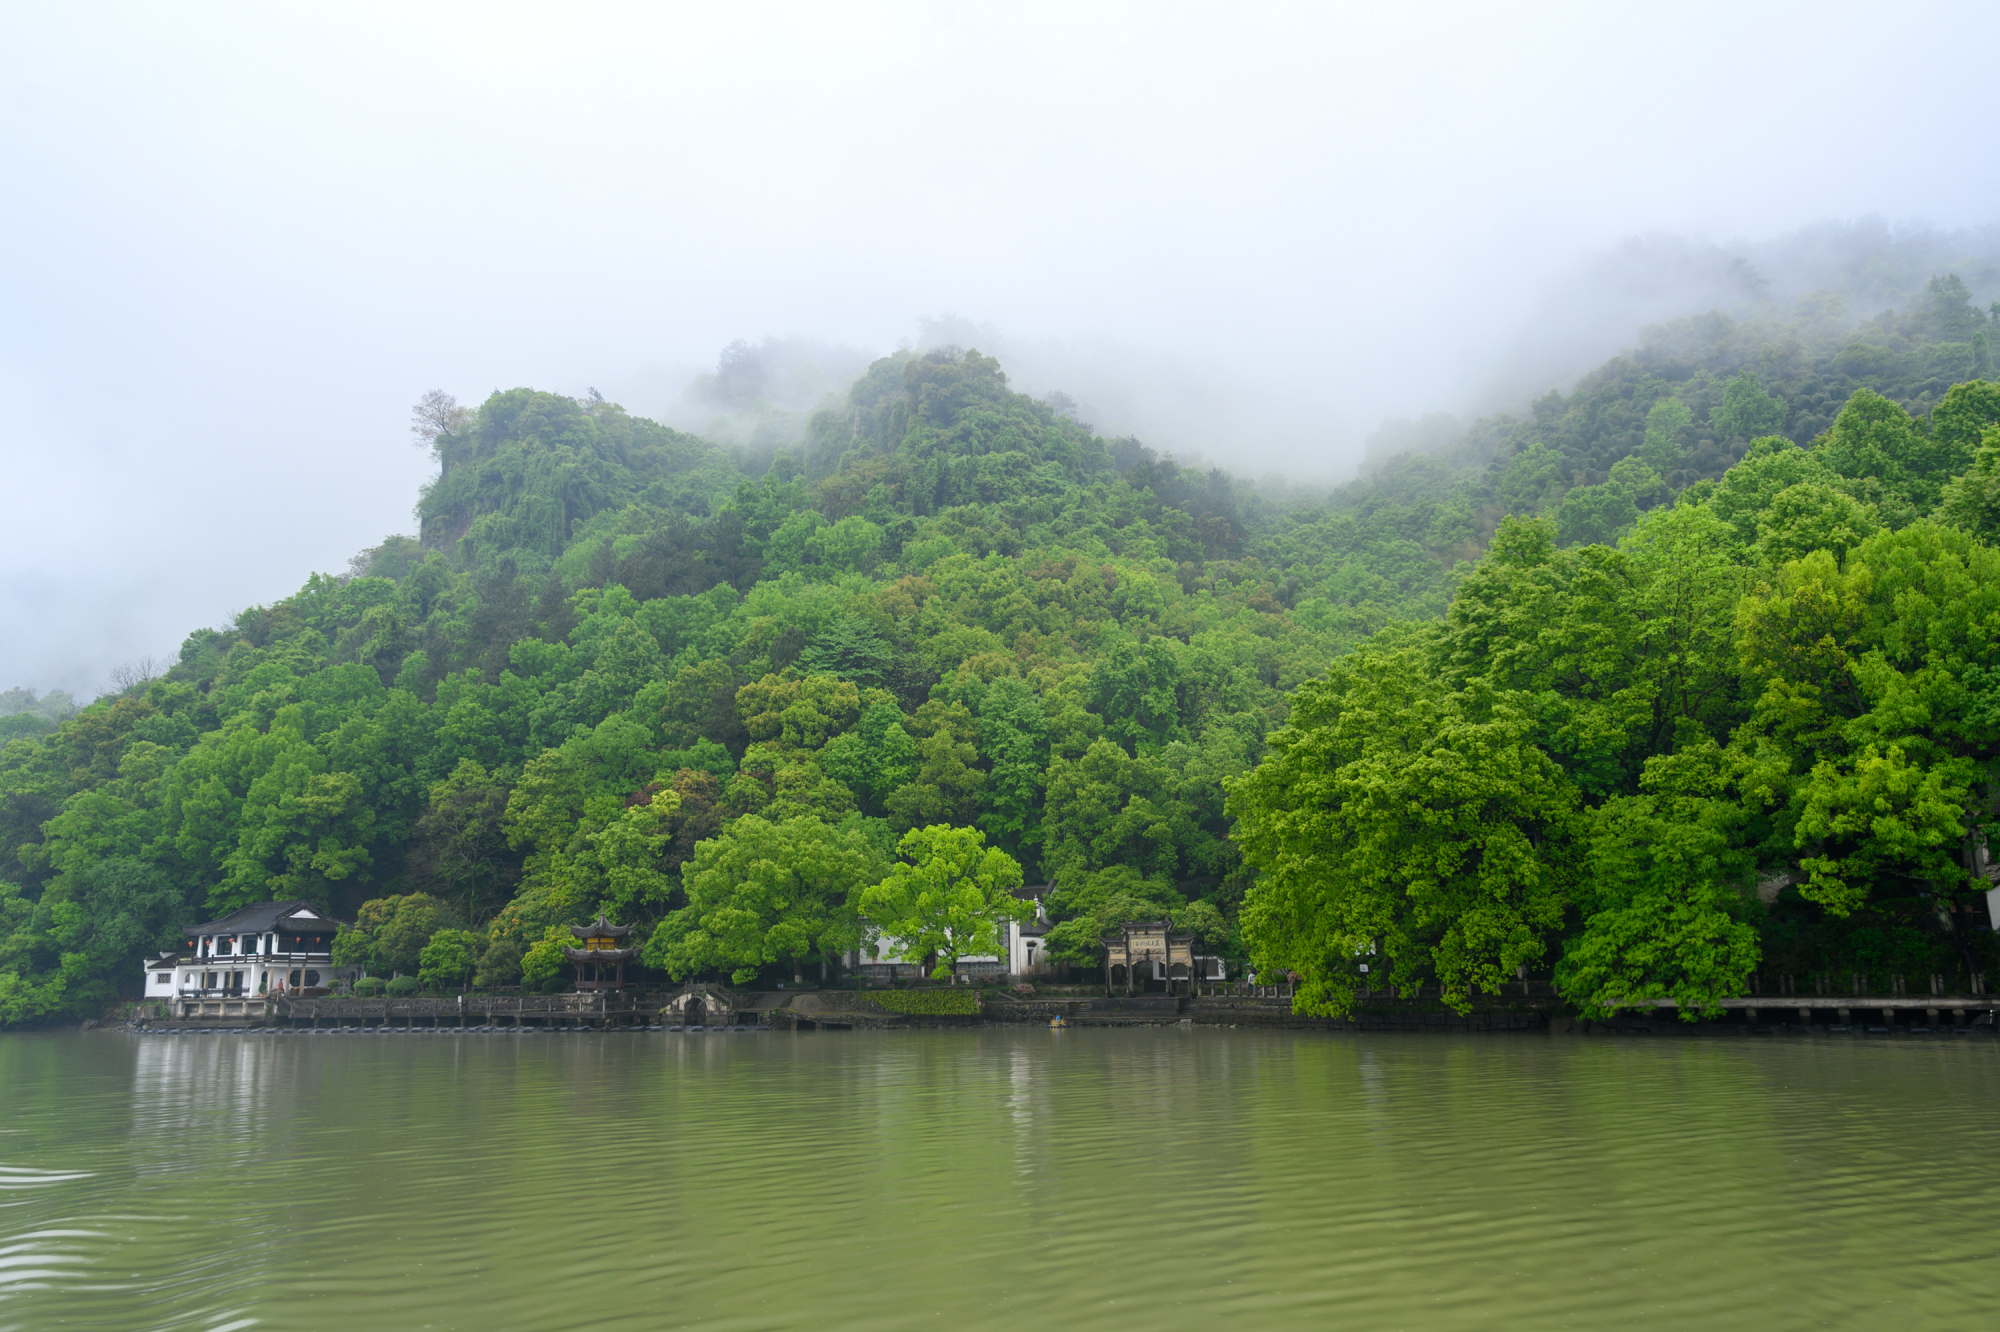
x: 700, y: 1004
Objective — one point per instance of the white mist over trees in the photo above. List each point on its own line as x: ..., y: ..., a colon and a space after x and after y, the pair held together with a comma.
x: 1249, y: 236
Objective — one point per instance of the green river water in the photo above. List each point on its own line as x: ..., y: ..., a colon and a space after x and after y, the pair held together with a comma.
x: 1016, y: 1178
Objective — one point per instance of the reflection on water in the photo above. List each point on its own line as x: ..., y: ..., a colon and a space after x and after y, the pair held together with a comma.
x: 1079, y: 1178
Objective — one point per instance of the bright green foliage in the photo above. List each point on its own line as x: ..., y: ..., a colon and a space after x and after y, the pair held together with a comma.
x: 1094, y: 903
x: 1398, y: 816
x: 764, y: 893
x: 954, y: 605
x: 1972, y: 501
x: 1886, y: 673
x: 1663, y: 895
x: 874, y: 759
x: 1960, y: 423
x: 544, y: 964
x: 448, y: 959
x: 389, y: 934
x: 1534, y: 478
x: 946, y: 898
x: 1807, y: 517
x: 1889, y: 457
x: 1772, y: 466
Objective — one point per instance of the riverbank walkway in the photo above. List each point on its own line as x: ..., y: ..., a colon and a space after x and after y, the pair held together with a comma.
x: 1535, y: 1007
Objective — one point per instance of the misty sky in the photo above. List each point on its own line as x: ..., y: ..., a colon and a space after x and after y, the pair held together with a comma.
x: 240, y: 240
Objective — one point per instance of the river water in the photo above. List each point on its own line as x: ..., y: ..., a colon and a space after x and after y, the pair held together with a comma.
x: 1159, y: 1177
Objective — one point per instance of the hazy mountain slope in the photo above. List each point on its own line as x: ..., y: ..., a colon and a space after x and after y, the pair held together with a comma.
x: 612, y: 648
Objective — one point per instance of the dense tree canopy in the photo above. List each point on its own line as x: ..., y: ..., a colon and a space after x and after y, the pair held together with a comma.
x: 1682, y: 674
x: 1757, y: 731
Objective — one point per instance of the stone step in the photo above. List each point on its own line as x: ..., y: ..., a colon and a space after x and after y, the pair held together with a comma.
x: 1149, y: 1004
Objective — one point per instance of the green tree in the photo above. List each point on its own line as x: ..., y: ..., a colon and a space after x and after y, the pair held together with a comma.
x: 542, y: 965
x: 1803, y: 518
x: 1971, y: 502
x: 948, y: 783
x: 850, y: 545
x: 1395, y: 815
x: 1106, y: 808
x: 389, y: 933
x: 1959, y: 423
x: 1013, y: 731
x: 1087, y: 905
x: 873, y: 759
x: 1661, y: 449
x: 461, y: 844
x: 1595, y: 514
x: 1664, y: 896
x: 1746, y: 410
x: 763, y: 893
x: 1879, y: 698
x: 448, y: 959
x: 947, y: 897
x: 1887, y: 455
x: 1532, y: 479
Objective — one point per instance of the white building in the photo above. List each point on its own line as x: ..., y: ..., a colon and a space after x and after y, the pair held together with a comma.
x: 257, y: 950
x: 1023, y: 950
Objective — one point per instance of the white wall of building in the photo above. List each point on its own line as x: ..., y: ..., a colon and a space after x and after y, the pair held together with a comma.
x: 1024, y: 953
x: 250, y: 963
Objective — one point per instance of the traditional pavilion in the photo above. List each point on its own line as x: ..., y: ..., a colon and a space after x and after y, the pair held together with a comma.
x: 1152, y: 950
x: 604, y: 951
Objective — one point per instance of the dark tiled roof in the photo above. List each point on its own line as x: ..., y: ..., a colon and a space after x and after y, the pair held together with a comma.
x: 265, y: 916
x: 600, y: 954
x: 1033, y: 892
x: 601, y: 929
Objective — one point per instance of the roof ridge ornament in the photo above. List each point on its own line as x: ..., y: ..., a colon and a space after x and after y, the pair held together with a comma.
x: 601, y: 928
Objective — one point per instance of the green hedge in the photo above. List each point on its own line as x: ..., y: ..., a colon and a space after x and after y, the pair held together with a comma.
x: 929, y: 1003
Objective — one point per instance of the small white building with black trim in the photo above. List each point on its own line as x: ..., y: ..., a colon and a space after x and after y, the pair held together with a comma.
x: 1023, y: 951
x: 257, y: 950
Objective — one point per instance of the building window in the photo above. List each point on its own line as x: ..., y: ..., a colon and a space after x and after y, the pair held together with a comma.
x: 312, y: 978
x: 163, y: 977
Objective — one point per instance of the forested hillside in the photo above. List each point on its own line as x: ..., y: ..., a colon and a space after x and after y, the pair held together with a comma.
x: 625, y: 670
x: 1681, y: 408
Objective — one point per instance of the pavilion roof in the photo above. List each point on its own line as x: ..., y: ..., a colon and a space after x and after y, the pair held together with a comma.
x: 601, y: 928
x: 600, y: 954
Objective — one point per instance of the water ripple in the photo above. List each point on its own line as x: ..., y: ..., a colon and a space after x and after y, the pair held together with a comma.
x: 993, y: 1178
